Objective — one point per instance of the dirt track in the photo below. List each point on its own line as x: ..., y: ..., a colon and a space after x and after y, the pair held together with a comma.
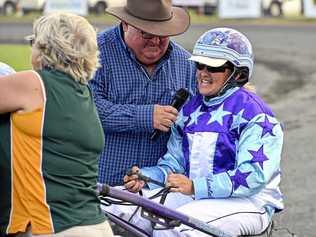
x: 285, y: 75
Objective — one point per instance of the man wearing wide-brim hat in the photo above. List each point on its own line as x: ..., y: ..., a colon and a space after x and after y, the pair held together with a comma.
x: 141, y: 69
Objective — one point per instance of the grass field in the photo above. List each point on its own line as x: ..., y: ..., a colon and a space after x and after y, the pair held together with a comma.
x: 17, y: 56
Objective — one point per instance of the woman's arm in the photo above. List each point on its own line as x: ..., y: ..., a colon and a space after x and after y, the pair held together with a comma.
x: 20, y: 91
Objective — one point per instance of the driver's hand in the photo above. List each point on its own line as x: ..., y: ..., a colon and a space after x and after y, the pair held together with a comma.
x: 132, y: 183
x: 180, y: 183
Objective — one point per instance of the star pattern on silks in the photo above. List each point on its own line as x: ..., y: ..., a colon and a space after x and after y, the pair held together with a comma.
x: 218, y: 115
x: 194, y: 116
x: 258, y: 156
x: 238, y: 119
x: 267, y: 127
x: 240, y: 179
x: 182, y: 117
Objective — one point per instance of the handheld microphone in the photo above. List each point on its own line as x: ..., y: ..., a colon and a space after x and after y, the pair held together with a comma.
x: 177, y: 101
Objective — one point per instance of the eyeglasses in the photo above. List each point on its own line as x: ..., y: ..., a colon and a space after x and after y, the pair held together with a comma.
x: 30, y: 39
x: 149, y: 36
x: 210, y: 69
x: 31, y: 42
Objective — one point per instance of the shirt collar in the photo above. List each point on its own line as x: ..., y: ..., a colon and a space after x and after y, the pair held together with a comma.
x: 119, y: 32
x: 219, y: 99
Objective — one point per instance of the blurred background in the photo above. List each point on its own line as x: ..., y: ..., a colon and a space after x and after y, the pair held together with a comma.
x: 207, y: 7
x: 283, y: 34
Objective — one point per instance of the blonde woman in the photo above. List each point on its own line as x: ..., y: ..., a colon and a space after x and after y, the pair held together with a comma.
x: 51, y: 136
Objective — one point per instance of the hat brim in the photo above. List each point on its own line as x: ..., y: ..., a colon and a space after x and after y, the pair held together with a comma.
x: 178, y: 24
x: 213, y: 62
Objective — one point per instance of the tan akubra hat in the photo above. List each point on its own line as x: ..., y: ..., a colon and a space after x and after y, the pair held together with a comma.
x: 157, y: 17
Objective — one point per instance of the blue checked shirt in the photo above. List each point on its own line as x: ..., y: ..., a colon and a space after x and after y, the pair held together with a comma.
x: 125, y: 96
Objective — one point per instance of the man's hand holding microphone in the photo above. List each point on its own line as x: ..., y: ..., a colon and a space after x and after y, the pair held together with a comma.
x: 165, y: 115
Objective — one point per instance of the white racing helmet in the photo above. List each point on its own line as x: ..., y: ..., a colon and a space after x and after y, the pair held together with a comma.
x: 5, y: 69
x: 217, y: 46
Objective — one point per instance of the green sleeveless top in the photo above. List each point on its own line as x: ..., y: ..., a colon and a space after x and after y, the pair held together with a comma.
x: 54, y: 158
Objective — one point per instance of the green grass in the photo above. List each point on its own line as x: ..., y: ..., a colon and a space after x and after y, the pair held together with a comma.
x: 17, y: 56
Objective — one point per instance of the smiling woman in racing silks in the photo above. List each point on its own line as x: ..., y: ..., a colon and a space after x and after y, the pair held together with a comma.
x: 223, y: 158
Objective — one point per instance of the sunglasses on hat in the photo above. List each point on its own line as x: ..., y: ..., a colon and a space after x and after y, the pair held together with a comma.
x: 201, y: 66
x: 30, y: 39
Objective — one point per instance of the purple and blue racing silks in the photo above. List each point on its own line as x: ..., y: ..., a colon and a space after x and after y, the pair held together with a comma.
x: 230, y: 146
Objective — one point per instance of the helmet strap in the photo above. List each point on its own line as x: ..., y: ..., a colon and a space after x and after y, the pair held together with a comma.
x: 228, y: 84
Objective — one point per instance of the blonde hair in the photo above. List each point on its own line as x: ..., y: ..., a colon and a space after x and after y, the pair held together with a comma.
x: 250, y: 87
x: 67, y: 42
